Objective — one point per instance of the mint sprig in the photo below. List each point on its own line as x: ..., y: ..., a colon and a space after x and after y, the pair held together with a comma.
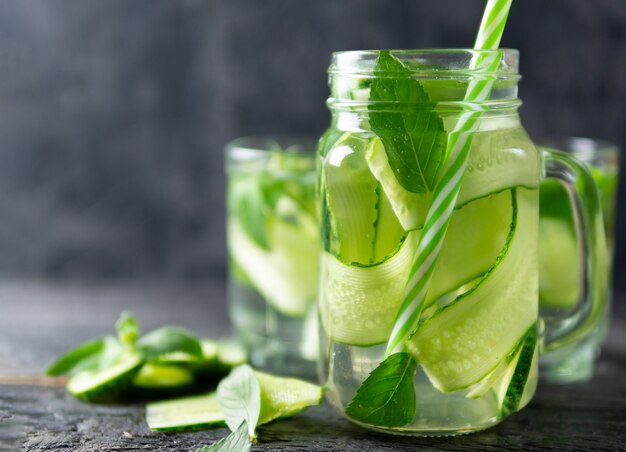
x: 403, y: 116
x: 387, y: 397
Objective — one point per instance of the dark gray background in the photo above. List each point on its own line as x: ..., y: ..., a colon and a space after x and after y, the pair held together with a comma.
x: 114, y: 113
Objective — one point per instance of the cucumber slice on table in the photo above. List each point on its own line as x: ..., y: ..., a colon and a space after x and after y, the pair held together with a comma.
x: 106, y: 384
x: 284, y: 397
x: 187, y: 413
x: 152, y: 376
x: 463, y: 342
x: 280, y: 397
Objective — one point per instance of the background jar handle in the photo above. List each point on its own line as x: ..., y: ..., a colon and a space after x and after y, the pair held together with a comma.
x: 593, y: 272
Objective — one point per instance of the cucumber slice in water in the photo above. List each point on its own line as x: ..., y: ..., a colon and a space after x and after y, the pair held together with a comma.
x: 358, y: 304
x: 466, y: 340
x: 285, y: 275
x: 351, y: 295
x: 188, y: 413
x: 486, y: 174
x: 107, y: 384
x: 558, y: 264
x: 516, y: 387
x: 351, y: 200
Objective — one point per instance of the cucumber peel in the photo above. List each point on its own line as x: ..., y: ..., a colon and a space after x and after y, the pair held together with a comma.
x: 107, y: 384
x: 463, y: 342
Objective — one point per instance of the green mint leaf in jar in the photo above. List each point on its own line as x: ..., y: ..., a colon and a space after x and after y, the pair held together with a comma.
x: 387, y: 397
x: 402, y: 115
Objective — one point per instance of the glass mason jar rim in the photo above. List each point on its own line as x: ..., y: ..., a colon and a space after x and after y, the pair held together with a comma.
x: 427, y: 62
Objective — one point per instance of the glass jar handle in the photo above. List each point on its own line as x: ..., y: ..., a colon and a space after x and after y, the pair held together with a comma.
x: 593, y: 276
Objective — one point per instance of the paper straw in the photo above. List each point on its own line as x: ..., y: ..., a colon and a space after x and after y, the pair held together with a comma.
x: 447, y: 189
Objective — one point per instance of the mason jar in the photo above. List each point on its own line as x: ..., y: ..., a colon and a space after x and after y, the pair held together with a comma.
x: 472, y: 358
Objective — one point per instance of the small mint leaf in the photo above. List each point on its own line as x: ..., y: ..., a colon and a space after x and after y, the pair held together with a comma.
x: 127, y: 328
x: 237, y: 441
x: 166, y: 340
x: 403, y: 116
x: 387, y: 397
x: 239, y: 395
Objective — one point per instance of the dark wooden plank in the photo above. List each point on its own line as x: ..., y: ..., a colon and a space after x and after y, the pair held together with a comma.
x: 44, y: 319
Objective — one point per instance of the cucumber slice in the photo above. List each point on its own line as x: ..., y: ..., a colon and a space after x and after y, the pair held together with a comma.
x: 280, y: 397
x: 558, y: 264
x: 351, y: 295
x: 155, y: 376
x: 358, y: 304
x: 188, y: 413
x: 388, y: 230
x: 351, y: 200
x: 476, y: 236
x: 283, y: 397
x: 360, y: 94
x: 107, y: 384
x: 485, y: 175
x: 286, y: 274
x: 466, y: 340
x: 230, y: 353
x: 410, y: 208
x: 516, y: 385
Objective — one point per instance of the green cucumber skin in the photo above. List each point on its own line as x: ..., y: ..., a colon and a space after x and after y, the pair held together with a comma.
x: 110, y: 391
x: 515, y: 391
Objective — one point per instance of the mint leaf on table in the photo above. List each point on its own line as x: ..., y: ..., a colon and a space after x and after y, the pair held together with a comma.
x: 168, y: 339
x: 237, y: 441
x: 403, y: 116
x: 127, y: 328
x: 92, y: 355
x: 239, y: 395
x: 387, y: 397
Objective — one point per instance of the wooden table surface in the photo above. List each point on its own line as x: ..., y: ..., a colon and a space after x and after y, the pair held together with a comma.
x: 39, y: 320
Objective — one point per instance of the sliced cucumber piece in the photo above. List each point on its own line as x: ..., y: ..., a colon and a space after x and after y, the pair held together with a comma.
x: 476, y: 236
x: 358, y: 304
x: 410, y: 208
x: 230, y: 353
x: 283, y: 397
x: 388, y: 230
x: 286, y: 274
x: 188, y: 413
x: 466, y: 340
x: 558, y: 264
x: 351, y: 295
x: 158, y: 376
x: 360, y: 94
x: 511, y: 398
x: 107, y: 384
x: 351, y: 200
x: 486, y: 174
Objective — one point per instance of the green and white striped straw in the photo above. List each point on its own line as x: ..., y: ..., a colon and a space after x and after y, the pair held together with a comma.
x: 447, y: 190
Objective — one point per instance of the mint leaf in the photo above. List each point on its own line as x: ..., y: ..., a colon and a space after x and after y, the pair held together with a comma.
x: 387, y: 397
x: 166, y: 340
x: 411, y: 131
x: 237, y: 441
x: 92, y: 355
x: 247, y: 205
x: 239, y: 395
x: 127, y: 328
